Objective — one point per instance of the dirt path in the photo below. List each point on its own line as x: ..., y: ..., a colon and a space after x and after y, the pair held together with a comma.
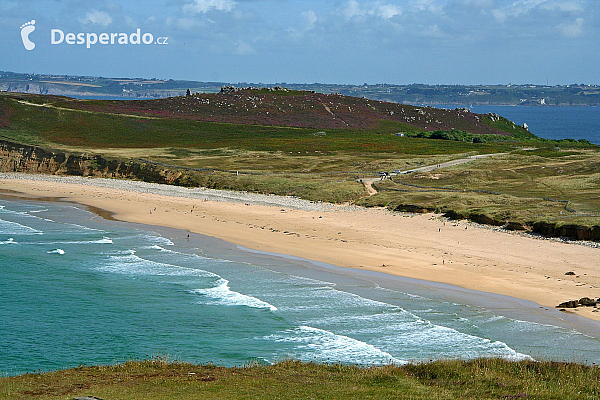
x: 368, y: 182
x: 47, y: 105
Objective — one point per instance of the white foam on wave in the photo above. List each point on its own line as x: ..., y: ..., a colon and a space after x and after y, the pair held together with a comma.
x: 326, y: 297
x: 159, y: 248
x: 160, y: 240
x: 187, y: 256
x: 223, y: 295
x: 26, y: 214
x: 302, y: 281
x: 128, y: 263
x: 104, y: 240
x: 446, y: 342
x: 9, y: 241
x: 325, y: 346
x: 370, y: 321
x: 14, y: 228
x: 394, y: 327
x: 85, y: 228
x: 57, y: 251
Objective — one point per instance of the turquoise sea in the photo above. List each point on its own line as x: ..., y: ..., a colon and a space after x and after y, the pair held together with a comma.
x: 77, y: 289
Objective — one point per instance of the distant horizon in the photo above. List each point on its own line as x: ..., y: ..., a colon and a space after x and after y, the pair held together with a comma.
x: 300, y: 83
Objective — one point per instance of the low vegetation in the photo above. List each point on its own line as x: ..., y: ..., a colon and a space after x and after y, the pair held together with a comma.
x: 522, y: 187
x: 156, y: 379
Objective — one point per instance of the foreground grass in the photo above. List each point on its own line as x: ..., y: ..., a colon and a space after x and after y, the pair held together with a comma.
x: 156, y: 379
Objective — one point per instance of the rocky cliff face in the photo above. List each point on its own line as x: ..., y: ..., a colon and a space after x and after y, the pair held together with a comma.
x: 22, y: 158
x: 570, y: 231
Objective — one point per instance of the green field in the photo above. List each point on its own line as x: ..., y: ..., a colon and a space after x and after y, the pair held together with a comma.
x: 478, y: 380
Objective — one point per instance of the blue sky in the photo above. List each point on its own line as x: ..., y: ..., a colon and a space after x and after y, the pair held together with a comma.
x: 348, y: 41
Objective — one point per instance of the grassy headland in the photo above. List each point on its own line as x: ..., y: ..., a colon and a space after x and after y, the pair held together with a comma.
x: 156, y: 379
x: 318, y: 146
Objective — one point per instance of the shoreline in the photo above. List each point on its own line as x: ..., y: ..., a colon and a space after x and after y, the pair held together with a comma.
x: 344, y: 236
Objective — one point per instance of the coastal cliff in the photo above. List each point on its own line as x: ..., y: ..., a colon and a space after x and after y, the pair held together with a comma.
x: 29, y: 159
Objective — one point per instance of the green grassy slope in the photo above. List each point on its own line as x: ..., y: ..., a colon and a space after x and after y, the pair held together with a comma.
x: 70, y: 127
x: 478, y: 380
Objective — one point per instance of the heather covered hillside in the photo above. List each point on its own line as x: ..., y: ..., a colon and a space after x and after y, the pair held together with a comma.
x: 301, y: 109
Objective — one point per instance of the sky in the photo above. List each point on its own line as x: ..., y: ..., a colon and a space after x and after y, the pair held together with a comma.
x: 306, y: 41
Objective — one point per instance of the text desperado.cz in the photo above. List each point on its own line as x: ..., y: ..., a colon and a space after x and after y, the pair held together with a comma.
x: 57, y: 36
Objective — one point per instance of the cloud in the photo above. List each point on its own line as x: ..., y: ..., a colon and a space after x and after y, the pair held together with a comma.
x: 352, y: 9
x: 482, y: 4
x: 387, y: 11
x: 521, y: 7
x: 378, y: 9
x: 203, y: 6
x: 97, y: 18
x: 572, y: 30
x: 566, y: 6
x: 310, y: 18
x: 427, y: 5
x: 243, y: 49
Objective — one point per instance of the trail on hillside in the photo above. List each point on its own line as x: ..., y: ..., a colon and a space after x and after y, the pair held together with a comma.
x: 334, y: 114
x: 47, y: 105
x: 368, y: 182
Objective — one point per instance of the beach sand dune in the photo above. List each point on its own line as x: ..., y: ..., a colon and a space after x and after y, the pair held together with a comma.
x: 415, y: 246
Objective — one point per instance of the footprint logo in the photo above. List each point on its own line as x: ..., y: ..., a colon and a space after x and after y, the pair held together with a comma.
x: 26, y: 29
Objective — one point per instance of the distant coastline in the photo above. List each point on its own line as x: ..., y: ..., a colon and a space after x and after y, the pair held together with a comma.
x: 466, y: 95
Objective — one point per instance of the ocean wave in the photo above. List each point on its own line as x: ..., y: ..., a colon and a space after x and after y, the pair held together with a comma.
x: 157, y: 247
x: 39, y: 211
x: 85, y: 228
x: 445, y: 342
x: 325, y: 346
x: 25, y: 213
x: 403, y: 329
x: 57, y: 251
x: 371, y: 321
x: 223, y: 295
x: 160, y: 240
x: 104, y: 240
x: 128, y: 263
x: 183, y: 256
x: 14, y: 228
x: 302, y: 281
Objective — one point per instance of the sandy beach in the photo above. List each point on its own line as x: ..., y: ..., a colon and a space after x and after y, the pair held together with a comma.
x: 415, y: 246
